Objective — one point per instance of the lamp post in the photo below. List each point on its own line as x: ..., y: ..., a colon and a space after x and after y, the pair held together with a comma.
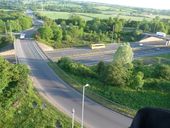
x: 82, y: 113
x: 73, y: 115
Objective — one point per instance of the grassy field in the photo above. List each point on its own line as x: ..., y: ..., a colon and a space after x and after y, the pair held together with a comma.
x: 6, y: 10
x: 104, y: 15
x: 103, y: 8
x: 86, y: 16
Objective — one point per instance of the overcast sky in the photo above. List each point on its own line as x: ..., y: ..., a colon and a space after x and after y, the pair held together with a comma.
x: 158, y: 4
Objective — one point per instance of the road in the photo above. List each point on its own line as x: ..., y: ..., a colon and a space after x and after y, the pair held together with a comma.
x: 60, y: 94
x: 91, y: 57
x: 78, y: 51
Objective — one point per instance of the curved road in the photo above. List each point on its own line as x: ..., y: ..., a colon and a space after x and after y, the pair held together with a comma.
x: 62, y: 95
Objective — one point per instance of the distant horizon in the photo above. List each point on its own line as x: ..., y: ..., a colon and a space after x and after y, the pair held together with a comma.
x: 152, y: 4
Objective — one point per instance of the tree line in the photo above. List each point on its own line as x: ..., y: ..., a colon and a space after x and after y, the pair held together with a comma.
x: 77, y: 31
x: 14, y: 21
x: 11, y: 21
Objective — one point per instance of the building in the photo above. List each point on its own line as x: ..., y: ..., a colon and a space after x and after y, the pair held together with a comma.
x: 154, y: 41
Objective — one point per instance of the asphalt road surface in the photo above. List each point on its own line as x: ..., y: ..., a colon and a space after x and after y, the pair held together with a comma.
x: 91, y: 57
x: 78, y: 51
x: 61, y: 94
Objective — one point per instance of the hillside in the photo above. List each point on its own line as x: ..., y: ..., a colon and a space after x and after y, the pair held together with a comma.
x: 20, y: 105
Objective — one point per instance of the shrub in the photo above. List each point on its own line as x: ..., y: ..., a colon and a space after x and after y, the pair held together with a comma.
x: 162, y: 71
x: 138, y: 81
x: 6, y: 40
x: 76, y: 68
x: 148, y: 70
x: 117, y: 75
x: 100, y: 69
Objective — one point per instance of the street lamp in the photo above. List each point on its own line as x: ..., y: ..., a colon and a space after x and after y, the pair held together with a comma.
x: 82, y: 113
x: 73, y: 115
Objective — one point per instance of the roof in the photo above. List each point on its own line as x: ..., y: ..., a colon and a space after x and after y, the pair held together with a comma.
x: 151, y: 39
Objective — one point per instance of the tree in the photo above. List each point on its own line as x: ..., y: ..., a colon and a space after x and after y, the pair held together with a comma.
x: 116, y: 74
x: 117, y: 28
x: 15, y: 26
x: 25, y: 22
x: 78, y: 21
x: 57, y: 33
x: 5, y: 75
x: 93, y: 25
x: 63, y: 25
x: 45, y: 33
x: 75, y: 32
x: 100, y: 69
x: 123, y: 55
x: 145, y: 26
x: 6, y: 39
x: 2, y: 26
x: 138, y: 81
x: 162, y: 71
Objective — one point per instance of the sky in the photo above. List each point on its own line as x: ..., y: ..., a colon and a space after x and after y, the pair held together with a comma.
x: 157, y: 4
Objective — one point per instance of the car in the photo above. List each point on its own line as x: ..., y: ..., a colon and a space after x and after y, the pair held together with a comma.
x: 140, y: 44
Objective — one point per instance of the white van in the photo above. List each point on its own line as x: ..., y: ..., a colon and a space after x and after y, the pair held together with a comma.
x: 161, y: 34
x: 22, y: 35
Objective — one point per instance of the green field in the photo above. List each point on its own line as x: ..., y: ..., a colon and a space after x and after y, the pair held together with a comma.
x: 103, y: 15
x: 66, y: 15
x: 101, y: 11
x: 102, y: 7
x: 86, y: 16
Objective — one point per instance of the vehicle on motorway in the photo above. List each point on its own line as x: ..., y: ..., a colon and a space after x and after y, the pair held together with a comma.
x: 22, y: 36
x: 161, y: 34
x: 97, y: 46
x: 140, y: 44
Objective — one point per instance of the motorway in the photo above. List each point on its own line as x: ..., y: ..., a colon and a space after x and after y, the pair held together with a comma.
x: 91, y: 57
x: 60, y: 94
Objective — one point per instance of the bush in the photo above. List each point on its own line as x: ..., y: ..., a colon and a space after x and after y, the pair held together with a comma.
x: 5, y: 40
x: 162, y: 71
x: 20, y: 105
x: 75, y: 68
x: 148, y: 70
x: 100, y: 69
x: 45, y: 33
x: 138, y: 80
x: 116, y: 74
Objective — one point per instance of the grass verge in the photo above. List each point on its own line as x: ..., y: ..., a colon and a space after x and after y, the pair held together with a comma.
x: 98, y: 98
